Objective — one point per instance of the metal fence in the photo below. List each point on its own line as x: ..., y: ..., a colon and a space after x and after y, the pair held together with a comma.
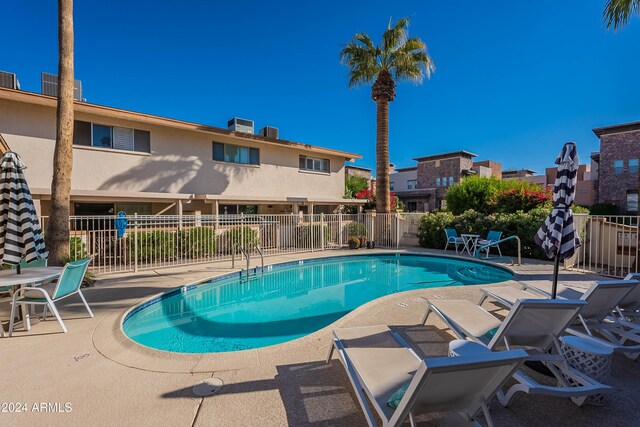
x: 609, y: 245
x: 150, y: 242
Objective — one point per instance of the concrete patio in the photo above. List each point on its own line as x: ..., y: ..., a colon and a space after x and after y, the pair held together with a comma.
x: 109, y: 380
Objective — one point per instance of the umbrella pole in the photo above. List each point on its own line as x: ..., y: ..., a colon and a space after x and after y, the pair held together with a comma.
x: 556, y: 267
x: 18, y: 269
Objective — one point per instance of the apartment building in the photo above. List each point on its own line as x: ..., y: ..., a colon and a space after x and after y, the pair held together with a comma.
x: 617, y: 164
x: 145, y: 164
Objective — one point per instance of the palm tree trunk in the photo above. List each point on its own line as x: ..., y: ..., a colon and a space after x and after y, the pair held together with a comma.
x: 58, y: 229
x: 383, y: 201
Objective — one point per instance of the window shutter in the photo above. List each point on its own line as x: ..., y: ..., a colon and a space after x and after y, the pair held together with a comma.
x: 142, y: 141
x: 122, y: 138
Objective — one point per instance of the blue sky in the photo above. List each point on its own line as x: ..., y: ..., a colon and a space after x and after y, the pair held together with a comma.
x: 514, y: 80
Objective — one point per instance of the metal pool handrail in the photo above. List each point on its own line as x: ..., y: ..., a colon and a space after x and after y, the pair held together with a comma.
x: 488, y: 245
x: 233, y: 256
x: 259, y: 249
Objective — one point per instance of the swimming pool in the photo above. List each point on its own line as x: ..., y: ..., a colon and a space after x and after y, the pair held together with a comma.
x: 288, y: 300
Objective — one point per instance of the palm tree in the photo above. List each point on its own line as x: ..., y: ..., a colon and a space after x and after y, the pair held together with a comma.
x: 617, y: 13
x: 57, y: 235
x: 398, y: 58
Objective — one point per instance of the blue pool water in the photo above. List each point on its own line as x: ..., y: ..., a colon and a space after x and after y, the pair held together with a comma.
x: 288, y: 301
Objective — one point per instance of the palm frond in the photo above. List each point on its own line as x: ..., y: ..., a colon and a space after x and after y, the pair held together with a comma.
x: 360, y: 55
x: 618, y: 13
x: 396, y: 36
x: 405, y: 57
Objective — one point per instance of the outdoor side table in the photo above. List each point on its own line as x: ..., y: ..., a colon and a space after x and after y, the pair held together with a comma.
x: 469, y: 241
x: 591, y: 358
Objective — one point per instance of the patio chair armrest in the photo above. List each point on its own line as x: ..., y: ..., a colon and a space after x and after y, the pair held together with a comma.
x: 20, y: 291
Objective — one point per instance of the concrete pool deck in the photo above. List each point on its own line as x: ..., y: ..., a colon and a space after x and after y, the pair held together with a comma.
x: 109, y: 380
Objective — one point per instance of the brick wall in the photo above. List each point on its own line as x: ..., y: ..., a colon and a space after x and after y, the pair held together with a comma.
x: 612, y: 188
x: 429, y: 171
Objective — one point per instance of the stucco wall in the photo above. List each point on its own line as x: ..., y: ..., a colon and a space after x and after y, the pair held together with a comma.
x: 400, y: 179
x: 180, y: 161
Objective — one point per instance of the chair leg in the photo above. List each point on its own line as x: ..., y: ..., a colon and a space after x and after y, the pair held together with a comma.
x: 499, y: 251
x: 447, y: 245
x: 85, y: 303
x: 12, y: 318
x: 54, y: 310
x: 44, y: 313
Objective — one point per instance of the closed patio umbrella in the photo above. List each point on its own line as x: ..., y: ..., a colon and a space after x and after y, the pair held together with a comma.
x: 20, y: 232
x: 557, y: 237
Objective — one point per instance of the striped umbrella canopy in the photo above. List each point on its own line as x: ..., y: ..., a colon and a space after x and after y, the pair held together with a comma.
x: 20, y: 233
x: 557, y: 237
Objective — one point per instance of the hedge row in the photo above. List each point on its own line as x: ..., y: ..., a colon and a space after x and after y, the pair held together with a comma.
x: 522, y: 224
x: 197, y: 242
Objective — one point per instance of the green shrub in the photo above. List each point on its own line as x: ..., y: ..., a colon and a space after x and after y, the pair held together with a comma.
x: 198, y: 242
x: 580, y: 210
x: 154, y: 246
x: 357, y: 229
x: 522, y: 224
x: 477, y: 192
x: 604, y: 209
x: 307, y: 233
x: 243, y: 235
x: 77, y: 248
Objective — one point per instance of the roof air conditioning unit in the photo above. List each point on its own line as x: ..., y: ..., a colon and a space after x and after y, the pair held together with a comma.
x: 269, y: 132
x: 50, y: 86
x: 9, y: 80
x: 240, y: 125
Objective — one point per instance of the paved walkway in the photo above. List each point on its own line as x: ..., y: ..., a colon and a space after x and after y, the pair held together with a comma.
x: 105, y: 379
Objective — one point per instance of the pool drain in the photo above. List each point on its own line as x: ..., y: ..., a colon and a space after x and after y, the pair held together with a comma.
x: 207, y: 387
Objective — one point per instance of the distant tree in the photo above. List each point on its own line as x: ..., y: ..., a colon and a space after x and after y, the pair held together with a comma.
x: 618, y: 13
x: 353, y: 184
x: 57, y: 235
x: 398, y: 58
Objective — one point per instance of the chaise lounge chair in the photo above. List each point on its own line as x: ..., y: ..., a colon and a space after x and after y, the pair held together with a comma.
x: 533, y: 325
x: 597, y: 317
x: 380, y: 366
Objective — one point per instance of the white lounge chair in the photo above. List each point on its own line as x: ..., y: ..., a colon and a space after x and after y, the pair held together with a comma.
x: 603, y: 297
x: 379, y: 363
x: 533, y: 325
x: 47, y: 295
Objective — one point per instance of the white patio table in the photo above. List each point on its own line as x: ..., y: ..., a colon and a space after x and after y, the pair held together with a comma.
x: 34, y: 276
x: 470, y: 241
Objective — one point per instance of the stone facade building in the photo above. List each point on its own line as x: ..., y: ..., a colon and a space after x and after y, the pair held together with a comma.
x: 617, y: 171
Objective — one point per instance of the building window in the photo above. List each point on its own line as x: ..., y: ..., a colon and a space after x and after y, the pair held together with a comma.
x: 633, y: 165
x: 412, y: 184
x: 231, y: 153
x: 104, y: 136
x: 618, y: 166
x: 450, y: 180
x: 437, y: 182
x: 632, y: 202
x: 391, y: 186
x: 314, y: 164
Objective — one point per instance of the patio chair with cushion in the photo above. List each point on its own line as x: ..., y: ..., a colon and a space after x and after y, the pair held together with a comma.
x: 533, y: 325
x: 67, y: 285
x: 385, y: 371
x: 453, y: 238
x: 490, y: 242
